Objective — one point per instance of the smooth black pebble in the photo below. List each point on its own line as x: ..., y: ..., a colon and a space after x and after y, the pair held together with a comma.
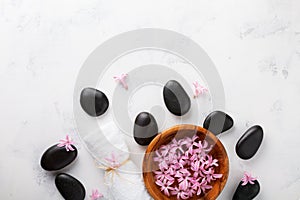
x: 250, y: 142
x: 145, y: 128
x: 218, y: 122
x: 176, y: 98
x: 56, y: 158
x: 93, y: 102
x: 69, y: 187
x: 247, y: 192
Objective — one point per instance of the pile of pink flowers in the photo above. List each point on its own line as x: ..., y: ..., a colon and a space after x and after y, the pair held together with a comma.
x: 185, y: 168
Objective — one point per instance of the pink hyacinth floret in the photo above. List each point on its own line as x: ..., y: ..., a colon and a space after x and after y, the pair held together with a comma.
x: 185, y: 167
x: 122, y: 80
x: 67, y: 143
x: 248, y: 179
x: 112, y: 161
x: 199, y: 89
x: 96, y: 195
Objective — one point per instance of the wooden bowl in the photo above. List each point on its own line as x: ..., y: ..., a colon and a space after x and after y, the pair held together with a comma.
x: 178, y: 132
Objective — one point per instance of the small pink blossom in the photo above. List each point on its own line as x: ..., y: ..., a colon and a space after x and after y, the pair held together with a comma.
x: 163, y: 165
x: 67, y: 143
x: 163, y: 175
x: 190, y: 141
x: 165, y: 150
x: 211, y: 176
x: 199, y: 89
x: 96, y: 195
x: 176, y: 145
x: 176, y: 165
x: 165, y: 186
x: 248, y: 179
x: 159, y: 157
x: 112, y: 161
x: 211, y: 162
x: 204, y: 186
x: 202, y: 147
x: 180, y: 193
x: 122, y: 80
x: 198, y: 168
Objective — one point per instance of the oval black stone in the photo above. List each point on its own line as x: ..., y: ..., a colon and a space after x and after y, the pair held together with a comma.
x: 246, y: 192
x: 56, y: 158
x: 69, y: 187
x: 250, y: 142
x: 93, y: 102
x: 218, y: 122
x: 176, y: 98
x: 145, y: 128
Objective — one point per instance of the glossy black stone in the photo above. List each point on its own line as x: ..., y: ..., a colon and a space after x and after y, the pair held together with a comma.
x: 93, y: 102
x: 218, y: 122
x: 56, y: 158
x: 247, y: 192
x: 176, y: 98
x: 145, y: 128
x: 69, y: 187
x: 250, y: 142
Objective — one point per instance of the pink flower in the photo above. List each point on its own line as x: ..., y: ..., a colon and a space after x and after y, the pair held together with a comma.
x: 171, y: 171
x: 163, y: 175
x: 177, y: 145
x: 183, y: 178
x: 112, y: 161
x: 194, y: 157
x: 163, y: 165
x: 176, y: 165
x: 172, y: 156
x: 190, y: 141
x: 165, y: 150
x: 211, y: 162
x: 198, y: 168
x: 67, y: 143
x: 199, y: 149
x: 248, y: 179
x: 204, y: 186
x: 159, y: 157
x: 199, y: 89
x: 180, y: 194
x: 211, y: 176
x: 202, y: 147
x: 165, y: 186
x: 183, y: 160
x: 96, y: 195
x: 184, y: 184
x: 196, y: 165
x: 122, y: 79
x: 182, y: 174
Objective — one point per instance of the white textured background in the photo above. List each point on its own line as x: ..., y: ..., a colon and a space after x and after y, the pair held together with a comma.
x: 254, y: 44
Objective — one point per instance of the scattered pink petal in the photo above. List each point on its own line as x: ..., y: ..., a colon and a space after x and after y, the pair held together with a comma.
x: 199, y: 89
x: 248, y: 179
x: 96, y: 195
x: 122, y: 80
x: 67, y: 143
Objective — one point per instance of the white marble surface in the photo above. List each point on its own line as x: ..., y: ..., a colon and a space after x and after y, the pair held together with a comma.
x: 254, y: 44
